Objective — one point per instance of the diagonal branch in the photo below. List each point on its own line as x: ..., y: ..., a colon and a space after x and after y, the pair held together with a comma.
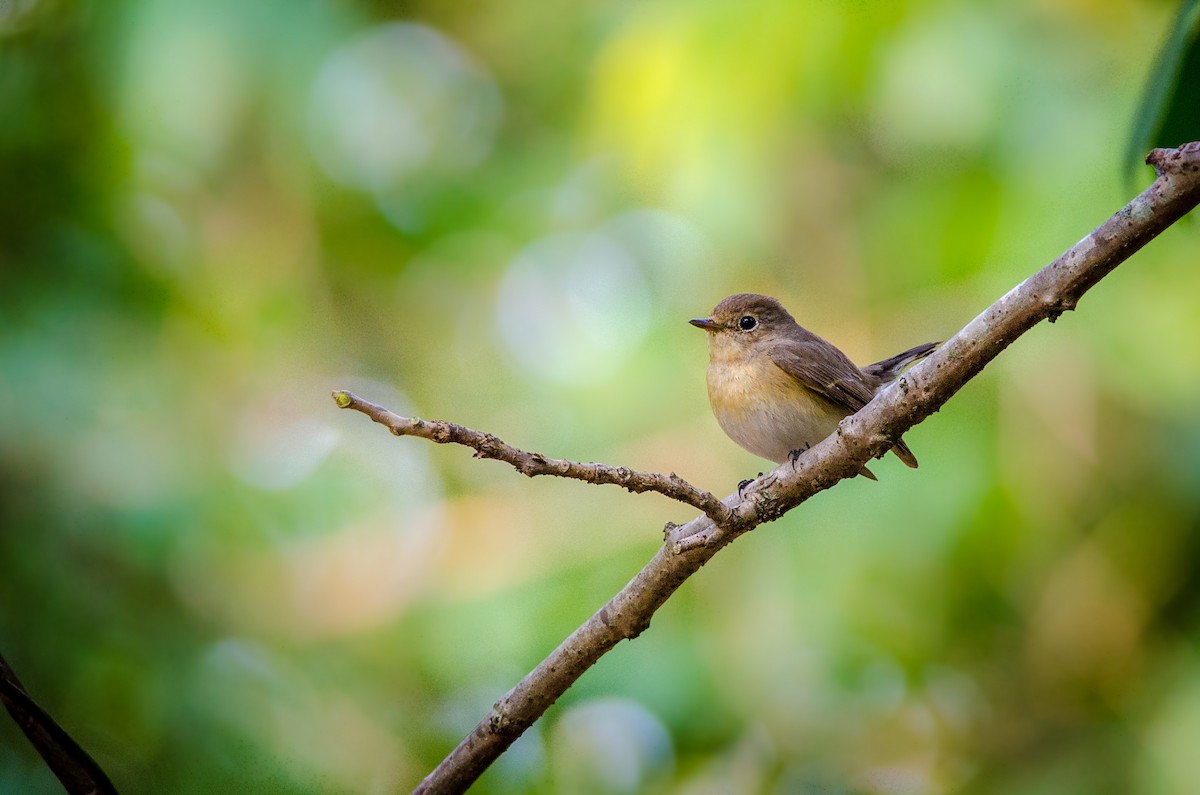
x: 1046, y: 294
x: 75, y: 769
x: 533, y: 464
x: 921, y: 391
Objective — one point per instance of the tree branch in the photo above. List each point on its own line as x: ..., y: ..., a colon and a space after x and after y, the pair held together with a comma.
x: 1048, y: 293
x: 75, y: 769
x: 533, y: 464
x: 922, y: 390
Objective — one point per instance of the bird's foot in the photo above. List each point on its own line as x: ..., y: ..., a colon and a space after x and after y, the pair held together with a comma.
x: 742, y: 486
x: 794, y: 455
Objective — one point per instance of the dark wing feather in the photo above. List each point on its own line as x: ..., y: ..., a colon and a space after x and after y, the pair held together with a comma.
x: 825, y: 370
x: 889, y: 368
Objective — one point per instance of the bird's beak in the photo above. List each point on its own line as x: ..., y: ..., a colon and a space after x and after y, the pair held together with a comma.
x: 706, y: 323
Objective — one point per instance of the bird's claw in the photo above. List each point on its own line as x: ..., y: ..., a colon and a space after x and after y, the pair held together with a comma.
x: 794, y: 455
x: 742, y: 486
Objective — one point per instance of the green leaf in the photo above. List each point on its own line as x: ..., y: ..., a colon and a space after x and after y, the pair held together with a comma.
x: 1169, y: 114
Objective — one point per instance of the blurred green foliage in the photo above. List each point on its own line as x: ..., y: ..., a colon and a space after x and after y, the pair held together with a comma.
x: 1170, y: 108
x: 503, y: 214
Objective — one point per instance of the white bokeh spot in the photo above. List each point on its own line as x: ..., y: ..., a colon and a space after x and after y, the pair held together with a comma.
x: 573, y: 306
x: 397, y: 101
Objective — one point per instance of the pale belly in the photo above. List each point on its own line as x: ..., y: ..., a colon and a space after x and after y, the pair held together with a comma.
x: 774, y: 417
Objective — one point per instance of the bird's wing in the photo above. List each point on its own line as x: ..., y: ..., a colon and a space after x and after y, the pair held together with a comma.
x: 824, y: 369
x: 889, y: 368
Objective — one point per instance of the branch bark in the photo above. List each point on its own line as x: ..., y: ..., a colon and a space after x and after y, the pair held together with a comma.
x: 1046, y: 294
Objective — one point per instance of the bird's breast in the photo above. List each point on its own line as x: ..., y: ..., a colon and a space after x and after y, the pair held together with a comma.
x: 765, y: 410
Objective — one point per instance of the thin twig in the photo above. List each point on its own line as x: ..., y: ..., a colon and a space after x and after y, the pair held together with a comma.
x: 1048, y: 293
x: 486, y: 445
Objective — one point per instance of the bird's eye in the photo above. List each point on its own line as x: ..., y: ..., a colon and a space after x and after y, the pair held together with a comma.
x: 747, y: 322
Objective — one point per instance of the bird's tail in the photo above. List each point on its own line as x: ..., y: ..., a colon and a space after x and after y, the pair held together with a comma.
x: 890, y: 368
x: 904, y: 454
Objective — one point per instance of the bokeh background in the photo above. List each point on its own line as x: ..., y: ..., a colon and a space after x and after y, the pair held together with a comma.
x: 502, y: 214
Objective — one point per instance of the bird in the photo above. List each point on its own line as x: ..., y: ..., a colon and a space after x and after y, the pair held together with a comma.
x: 776, y: 388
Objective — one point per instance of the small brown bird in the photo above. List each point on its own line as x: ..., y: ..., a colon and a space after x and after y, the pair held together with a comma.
x: 777, y: 389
